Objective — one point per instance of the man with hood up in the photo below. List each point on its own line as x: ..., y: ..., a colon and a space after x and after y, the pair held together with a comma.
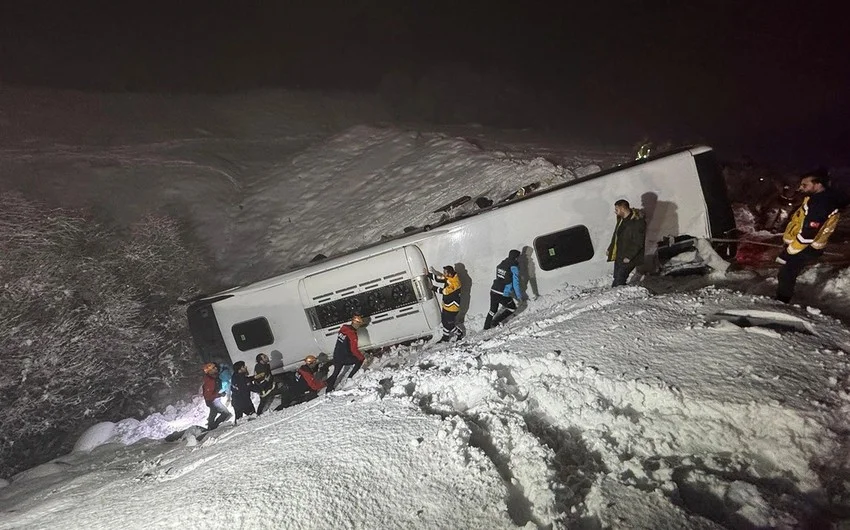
x: 504, y: 289
x: 808, y: 231
x: 627, y: 242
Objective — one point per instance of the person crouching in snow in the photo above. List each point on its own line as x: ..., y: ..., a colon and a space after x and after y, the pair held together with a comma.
x: 346, y: 352
x: 241, y: 386
x: 212, y: 395
x: 306, y: 386
x: 451, y: 301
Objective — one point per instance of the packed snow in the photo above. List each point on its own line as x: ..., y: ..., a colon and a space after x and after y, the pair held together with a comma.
x: 593, y: 408
x: 596, y: 406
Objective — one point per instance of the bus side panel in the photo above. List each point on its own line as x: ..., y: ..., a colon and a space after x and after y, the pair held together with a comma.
x: 389, y: 287
x: 667, y: 190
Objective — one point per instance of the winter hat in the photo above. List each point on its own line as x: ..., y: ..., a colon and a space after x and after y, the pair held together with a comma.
x: 514, y: 254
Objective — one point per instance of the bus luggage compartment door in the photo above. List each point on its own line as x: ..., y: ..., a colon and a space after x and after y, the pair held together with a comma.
x: 391, y: 288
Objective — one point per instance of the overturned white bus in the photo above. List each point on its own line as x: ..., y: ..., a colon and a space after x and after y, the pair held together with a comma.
x: 563, y: 232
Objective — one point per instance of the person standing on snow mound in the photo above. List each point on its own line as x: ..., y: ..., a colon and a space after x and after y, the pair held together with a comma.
x: 212, y: 395
x: 451, y: 301
x: 306, y: 386
x: 808, y: 231
x: 627, y: 242
x: 346, y: 352
x: 504, y: 289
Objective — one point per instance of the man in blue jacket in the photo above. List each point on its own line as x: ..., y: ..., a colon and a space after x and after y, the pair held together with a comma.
x: 504, y: 289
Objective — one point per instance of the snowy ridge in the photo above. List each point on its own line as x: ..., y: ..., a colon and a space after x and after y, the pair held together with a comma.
x: 565, y: 416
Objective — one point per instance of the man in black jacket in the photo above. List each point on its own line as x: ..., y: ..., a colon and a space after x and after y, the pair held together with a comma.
x: 504, y: 289
x: 241, y: 386
x: 347, y: 352
x: 265, y: 383
x: 627, y: 242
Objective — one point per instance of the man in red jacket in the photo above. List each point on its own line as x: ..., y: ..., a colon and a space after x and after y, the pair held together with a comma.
x: 346, y: 352
x: 212, y: 395
x: 306, y: 386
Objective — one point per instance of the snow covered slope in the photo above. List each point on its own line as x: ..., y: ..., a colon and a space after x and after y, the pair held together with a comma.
x: 611, y: 407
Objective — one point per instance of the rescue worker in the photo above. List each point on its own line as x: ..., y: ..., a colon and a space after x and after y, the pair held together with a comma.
x: 266, y: 386
x: 346, y: 352
x: 450, y: 291
x: 212, y: 395
x: 504, y: 289
x: 627, y: 242
x: 241, y: 387
x: 306, y: 386
x: 808, y: 231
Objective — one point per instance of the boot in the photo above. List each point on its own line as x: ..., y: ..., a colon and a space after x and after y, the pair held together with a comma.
x: 501, y: 317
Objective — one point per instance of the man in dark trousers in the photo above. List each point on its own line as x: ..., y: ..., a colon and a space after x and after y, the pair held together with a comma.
x: 306, y: 386
x: 242, y: 385
x: 808, y: 230
x: 266, y: 386
x: 346, y: 352
x: 212, y: 395
x: 450, y: 290
x: 627, y: 242
x: 504, y: 289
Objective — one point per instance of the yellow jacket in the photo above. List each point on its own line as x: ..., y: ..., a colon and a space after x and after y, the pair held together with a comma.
x: 812, y: 223
x: 450, y: 291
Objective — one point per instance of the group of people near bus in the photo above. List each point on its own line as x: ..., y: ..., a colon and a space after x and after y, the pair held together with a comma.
x: 310, y: 378
x: 805, y: 237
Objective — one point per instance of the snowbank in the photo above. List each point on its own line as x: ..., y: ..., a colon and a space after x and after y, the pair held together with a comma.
x: 611, y: 407
x: 97, y: 434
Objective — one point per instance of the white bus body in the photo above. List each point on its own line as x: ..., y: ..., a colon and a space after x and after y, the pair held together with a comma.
x: 563, y: 232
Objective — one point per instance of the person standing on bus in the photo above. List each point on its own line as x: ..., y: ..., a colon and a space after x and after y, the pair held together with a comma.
x: 504, y: 289
x: 346, y: 352
x: 450, y: 291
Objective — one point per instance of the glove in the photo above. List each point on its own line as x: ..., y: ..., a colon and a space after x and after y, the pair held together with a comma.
x: 783, y: 257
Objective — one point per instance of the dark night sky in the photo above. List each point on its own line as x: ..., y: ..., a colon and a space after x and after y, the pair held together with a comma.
x: 751, y: 76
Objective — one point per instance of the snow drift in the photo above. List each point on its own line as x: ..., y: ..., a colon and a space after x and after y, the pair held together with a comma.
x: 595, y: 407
